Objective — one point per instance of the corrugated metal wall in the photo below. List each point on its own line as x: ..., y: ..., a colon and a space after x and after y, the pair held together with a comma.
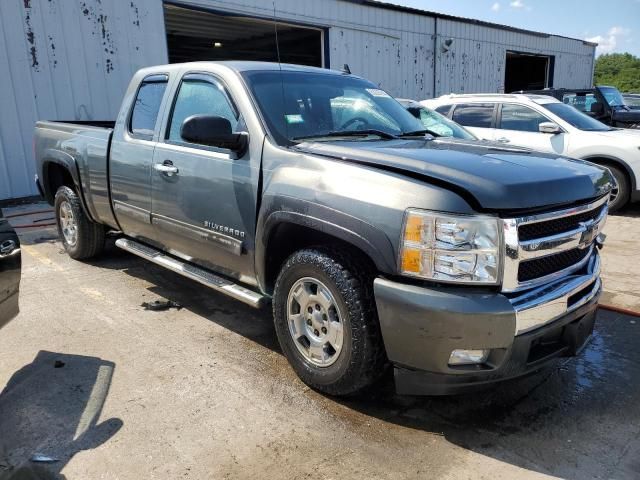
x: 66, y: 59
x: 475, y: 62
x: 72, y: 59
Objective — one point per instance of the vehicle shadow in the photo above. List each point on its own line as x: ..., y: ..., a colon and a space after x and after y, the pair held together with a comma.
x: 578, y: 419
x: 552, y: 422
x: 631, y: 211
x: 254, y: 324
x: 51, y: 407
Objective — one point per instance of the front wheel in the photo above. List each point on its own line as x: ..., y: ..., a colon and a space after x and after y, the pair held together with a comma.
x: 81, y: 237
x: 326, y: 321
x: 620, y: 194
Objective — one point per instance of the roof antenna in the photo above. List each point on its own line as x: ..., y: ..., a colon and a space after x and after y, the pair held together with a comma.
x: 345, y: 69
x: 275, y: 26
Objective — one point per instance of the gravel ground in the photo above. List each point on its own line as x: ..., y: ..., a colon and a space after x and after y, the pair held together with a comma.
x: 111, y: 390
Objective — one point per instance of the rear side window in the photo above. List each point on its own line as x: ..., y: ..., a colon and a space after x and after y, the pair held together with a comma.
x: 443, y: 110
x: 521, y: 118
x: 474, y: 115
x: 199, y: 96
x: 147, y: 105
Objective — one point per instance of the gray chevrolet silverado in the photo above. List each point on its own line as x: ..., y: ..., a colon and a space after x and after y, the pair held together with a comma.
x: 456, y: 262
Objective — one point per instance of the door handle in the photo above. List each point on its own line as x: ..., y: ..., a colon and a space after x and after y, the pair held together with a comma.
x: 167, y: 168
x: 7, y: 247
x: 503, y: 140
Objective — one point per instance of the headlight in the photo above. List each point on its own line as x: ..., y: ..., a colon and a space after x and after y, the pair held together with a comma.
x: 448, y: 248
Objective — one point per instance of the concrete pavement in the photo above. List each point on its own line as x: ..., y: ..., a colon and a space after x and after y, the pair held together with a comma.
x: 204, y: 392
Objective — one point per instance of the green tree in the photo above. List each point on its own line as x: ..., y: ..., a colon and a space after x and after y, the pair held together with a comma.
x: 621, y: 70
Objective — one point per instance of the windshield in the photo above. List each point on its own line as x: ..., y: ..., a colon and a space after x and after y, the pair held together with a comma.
x: 436, y: 123
x: 299, y: 105
x: 575, y: 117
x: 612, y: 96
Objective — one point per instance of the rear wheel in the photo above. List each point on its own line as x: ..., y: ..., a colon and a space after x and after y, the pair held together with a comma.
x: 620, y: 194
x: 82, y: 238
x: 326, y: 321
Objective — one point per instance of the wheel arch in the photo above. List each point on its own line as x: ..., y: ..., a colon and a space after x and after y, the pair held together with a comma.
x: 605, y: 160
x: 285, y: 232
x: 58, y: 169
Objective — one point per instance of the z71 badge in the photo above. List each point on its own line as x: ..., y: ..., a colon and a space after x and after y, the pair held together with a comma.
x: 216, y: 227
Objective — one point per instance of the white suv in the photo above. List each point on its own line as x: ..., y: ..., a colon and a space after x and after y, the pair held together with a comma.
x: 545, y: 124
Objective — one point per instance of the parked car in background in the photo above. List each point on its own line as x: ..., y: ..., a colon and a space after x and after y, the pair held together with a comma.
x: 548, y: 125
x: 435, y: 122
x: 10, y: 268
x: 458, y: 263
x: 603, y: 103
x: 632, y: 100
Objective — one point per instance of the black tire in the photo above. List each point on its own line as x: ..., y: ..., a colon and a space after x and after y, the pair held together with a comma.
x: 623, y: 189
x: 90, y: 235
x: 362, y: 359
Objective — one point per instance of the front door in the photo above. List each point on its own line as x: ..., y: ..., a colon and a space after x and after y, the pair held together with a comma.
x: 203, y: 198
x: 519, y: 125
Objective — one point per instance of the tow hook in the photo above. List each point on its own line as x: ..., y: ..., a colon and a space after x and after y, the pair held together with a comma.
x: 600, y: 240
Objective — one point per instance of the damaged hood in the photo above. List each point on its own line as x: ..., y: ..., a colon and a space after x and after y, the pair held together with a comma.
x: 497, y: 177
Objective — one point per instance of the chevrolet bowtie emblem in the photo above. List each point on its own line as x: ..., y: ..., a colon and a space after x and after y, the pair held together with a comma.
x: 589, y: 234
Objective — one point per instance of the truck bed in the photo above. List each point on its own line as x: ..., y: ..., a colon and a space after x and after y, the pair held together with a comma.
x: 83, y: 147
x: 88, y: 123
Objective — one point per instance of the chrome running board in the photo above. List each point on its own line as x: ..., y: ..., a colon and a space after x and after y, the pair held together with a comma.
x: 193, y: 272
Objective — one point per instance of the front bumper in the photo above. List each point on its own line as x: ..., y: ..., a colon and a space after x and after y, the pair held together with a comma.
x: 421, y: 327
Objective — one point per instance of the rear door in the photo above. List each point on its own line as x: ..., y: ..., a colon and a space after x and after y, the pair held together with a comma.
x: 10, y: 266
x: 479, y: 118
x: 205, y: 209
x: 519, y: 125
x: 131, y: 158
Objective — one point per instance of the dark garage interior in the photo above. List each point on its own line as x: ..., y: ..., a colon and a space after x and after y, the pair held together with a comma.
x: 525, y: 71
x: 197, y: 35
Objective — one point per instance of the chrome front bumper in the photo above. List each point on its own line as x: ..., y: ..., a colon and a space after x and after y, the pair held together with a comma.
x: 540, y: 306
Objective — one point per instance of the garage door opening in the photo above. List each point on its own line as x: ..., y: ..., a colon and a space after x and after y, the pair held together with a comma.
x: 528, y: 72
x: 196, y: 35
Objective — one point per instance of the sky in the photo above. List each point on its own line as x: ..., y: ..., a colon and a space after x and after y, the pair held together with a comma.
x: 613, y: 24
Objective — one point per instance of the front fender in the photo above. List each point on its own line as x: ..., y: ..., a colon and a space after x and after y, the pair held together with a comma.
x: 283, y: 209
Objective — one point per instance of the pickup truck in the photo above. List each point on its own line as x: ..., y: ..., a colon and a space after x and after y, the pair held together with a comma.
x: 457, y: 263
x: 604, y: 103
x: 10, y: 268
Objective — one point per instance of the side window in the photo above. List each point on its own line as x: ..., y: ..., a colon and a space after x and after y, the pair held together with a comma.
x: 146, y: 106
x: 521, y: 118
x: 200, y: 97
x: 581, y: 102
x: 443, y: 110
x: 474, y: 114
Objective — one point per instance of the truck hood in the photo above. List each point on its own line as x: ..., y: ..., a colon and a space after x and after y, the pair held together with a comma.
x: 497, y: 178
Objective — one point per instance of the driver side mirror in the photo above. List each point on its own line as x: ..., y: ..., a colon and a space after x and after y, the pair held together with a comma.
x: 213, y: 131
x: 550, y: 128
x: 597, y: 108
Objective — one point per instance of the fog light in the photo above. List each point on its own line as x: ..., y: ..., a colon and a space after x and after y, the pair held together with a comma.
x: 468, y: 357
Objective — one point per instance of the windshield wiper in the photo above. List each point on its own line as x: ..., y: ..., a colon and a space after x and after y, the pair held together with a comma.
x: 349, y: 133
x: 419, y: 133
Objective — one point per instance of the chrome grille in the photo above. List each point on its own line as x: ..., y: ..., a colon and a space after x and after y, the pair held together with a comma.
x: 532, y: 231
x: 543, y: 266
x: 543, y: 247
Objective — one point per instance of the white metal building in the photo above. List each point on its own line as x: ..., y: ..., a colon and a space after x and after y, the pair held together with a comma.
x: 72, y: 59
